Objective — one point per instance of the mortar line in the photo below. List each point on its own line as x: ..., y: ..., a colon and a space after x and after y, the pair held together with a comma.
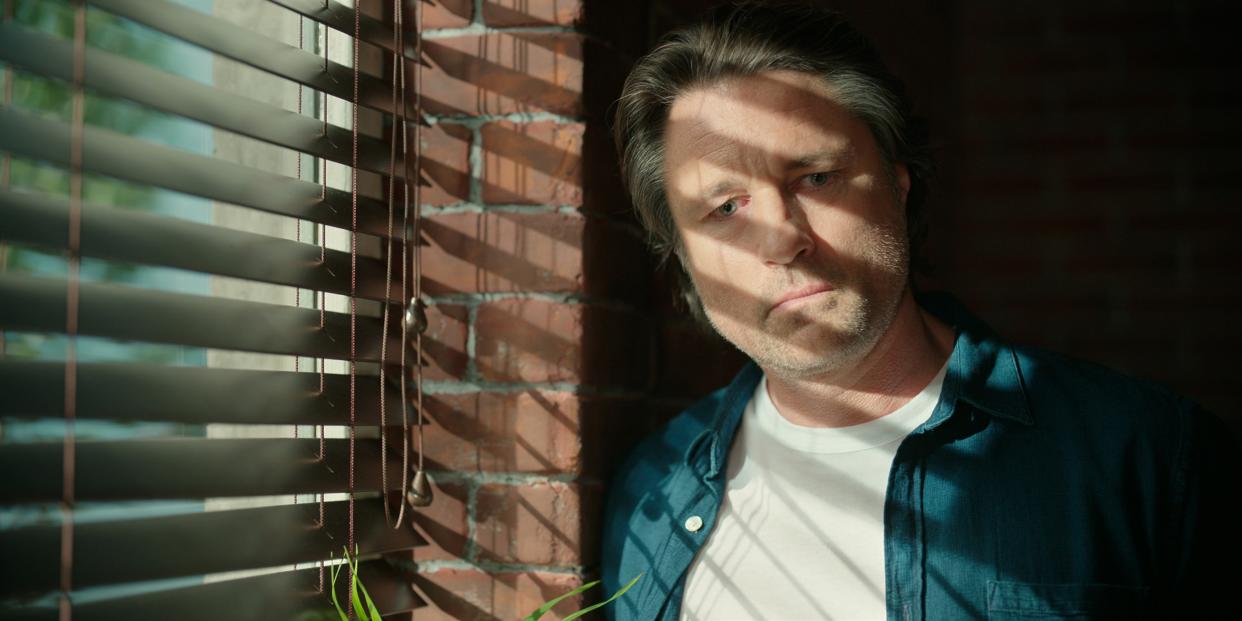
x: 476, y: 165
x: 481, y: 297
x: 476, y: 29
x: 471, y: 551
x: 433, y: 566
x: 507, y: 478
x: 473, y: 120
x: 472, y: 340
x: 470, y: 207
x: 453, y: 387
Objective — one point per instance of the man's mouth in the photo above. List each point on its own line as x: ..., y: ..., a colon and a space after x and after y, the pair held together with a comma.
x: 795, y: 296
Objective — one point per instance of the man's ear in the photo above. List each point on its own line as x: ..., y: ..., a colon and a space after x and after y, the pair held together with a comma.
x: 901, y: 175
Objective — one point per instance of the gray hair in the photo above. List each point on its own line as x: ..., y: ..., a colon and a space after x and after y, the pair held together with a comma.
x: 745, y: 39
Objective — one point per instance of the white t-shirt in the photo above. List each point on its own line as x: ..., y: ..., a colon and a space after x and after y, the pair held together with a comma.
x: 800, y: 533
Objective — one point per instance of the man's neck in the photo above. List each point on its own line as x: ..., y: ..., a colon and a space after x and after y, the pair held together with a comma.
x: 903, y: 361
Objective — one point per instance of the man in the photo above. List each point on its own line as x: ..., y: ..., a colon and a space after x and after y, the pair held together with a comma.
x: 885, y: 455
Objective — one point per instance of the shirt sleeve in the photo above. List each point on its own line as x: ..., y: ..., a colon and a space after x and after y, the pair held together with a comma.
x: 621, y: 502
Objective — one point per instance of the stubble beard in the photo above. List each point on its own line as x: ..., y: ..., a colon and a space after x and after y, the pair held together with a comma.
x: 833, y: 334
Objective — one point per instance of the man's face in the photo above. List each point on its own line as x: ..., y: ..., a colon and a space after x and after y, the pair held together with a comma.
x: 793, y: 228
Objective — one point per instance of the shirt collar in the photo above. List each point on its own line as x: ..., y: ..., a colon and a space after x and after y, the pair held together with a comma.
x: 983, y: 371
x: 709, y: 451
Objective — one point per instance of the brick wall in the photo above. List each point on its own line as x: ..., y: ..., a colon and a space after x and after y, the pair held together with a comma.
x: 541, y: 335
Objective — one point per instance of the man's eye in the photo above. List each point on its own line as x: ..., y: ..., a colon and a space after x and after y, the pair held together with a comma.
x: 729, y: 208
x: 819, y: 179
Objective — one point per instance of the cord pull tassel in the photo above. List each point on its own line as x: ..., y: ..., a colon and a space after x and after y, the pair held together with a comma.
x: 419, y: 494
x: 416, y: 316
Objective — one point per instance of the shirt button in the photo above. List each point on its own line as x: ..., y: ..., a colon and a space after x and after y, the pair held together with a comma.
x: 694, y: 523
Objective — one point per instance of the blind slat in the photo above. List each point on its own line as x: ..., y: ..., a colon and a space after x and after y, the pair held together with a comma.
x: 192, y: 544
x: 155, y: 316
x: 189, y: 468
x: 132, y: 159
x: 137, y: 237
x: 145, y: 392
x: 117, y: 76
x: 341, y: 18
x: 124, y: 551
x: 256, y: 50
x: 278, y: 596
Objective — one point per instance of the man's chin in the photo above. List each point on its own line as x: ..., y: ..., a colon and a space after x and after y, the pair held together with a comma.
x: 809, y: 349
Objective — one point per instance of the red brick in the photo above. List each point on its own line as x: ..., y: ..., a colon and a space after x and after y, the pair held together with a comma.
x: 529, y: 341
x: 537, y: 432
x: 445, y: 164
x: 502, y: 252
x: 473, y: 595
x: 532, y: 163
x: 531, y: 432
x: 531, y: 12
x: 442, y: 523
x: 544, y: 523
x: 532, y: 340
x: 442, y: 13
x: 444, y: 343
x: 501, y: 73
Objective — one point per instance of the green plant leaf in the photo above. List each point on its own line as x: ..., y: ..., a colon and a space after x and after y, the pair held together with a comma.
x: 336, y: 570
x: 357, y: 586
x: 375, y: 615
x: 543, y: 610
x: 534, y: 616
x: 368, y: 613
x: 605, y: 602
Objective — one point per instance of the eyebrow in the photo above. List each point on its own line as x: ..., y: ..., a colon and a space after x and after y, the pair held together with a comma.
x: 835, y: 157
x: 843, y: 155
x: 720, y: 187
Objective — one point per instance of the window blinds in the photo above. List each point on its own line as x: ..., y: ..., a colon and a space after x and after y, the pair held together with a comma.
x: 41, y: 560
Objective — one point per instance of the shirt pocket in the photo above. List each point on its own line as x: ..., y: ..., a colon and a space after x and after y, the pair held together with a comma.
x: 1016, y: 601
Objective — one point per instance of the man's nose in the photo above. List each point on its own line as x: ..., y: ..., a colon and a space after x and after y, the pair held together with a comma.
x: 785, y: 233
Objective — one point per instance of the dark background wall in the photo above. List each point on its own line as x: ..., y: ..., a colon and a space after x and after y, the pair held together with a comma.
x: 1089, y: 186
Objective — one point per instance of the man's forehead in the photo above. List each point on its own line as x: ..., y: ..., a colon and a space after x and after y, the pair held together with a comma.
x: 782, y: 114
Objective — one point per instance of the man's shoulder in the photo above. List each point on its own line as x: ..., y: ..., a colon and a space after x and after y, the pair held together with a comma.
x: 640, y: 512
x: 1055, y: 381
x: 1104, y: 410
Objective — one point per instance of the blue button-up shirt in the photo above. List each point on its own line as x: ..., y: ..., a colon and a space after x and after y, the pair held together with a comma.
x: 1040, y: 487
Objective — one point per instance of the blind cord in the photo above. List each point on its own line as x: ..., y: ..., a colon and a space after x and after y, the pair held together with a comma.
x: 5, y: 163
x: 353, y: 306
x: 422, y: 494
x: 8, y: 98
x: 398, y: 121
x: 297, y: 223
x: 69, y: 450
x: 323, y: 244
x: 419, y: 494
x: 418, y: 221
